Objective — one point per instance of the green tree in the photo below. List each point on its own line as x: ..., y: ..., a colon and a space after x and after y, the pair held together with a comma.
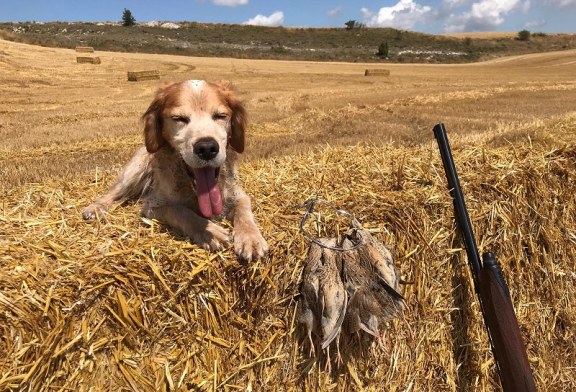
x: 127, y: 18
x: 352, y: 24
x: 524, y: 35
x: 383, y: 50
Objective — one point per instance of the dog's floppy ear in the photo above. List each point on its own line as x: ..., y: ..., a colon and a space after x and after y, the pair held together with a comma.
x: 239, y: 122
x: 239, y: 116
x: 153, y: 122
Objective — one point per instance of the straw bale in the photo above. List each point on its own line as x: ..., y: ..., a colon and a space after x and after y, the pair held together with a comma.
x: 377, y: 72
x: 136, y: 76
x: 84, y: 49
x: 126, y: 304
x: 88, y: 60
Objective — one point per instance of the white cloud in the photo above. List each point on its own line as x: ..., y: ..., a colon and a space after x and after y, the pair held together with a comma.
x: 484, y: 15
x: 447, y: 7
x: 536, y: 24
x: 335, y: 12
x: 230, y: 3
x: 561, y: 3
x: 403, y: 15
x: 525, y: 7
x: 276, y: 19
x: 455, y: 3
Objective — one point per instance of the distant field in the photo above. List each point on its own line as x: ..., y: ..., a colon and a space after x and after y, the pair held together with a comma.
x: 484, y: 35
x: 124, y: 304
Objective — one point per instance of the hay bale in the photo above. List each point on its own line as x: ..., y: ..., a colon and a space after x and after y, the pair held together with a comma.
x: 377, y: 72
x: 84, y: 49
x: 137, y: 76
x: 88, y: 60
x: 118, y: 304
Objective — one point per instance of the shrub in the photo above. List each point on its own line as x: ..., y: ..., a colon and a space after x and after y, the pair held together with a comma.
x: 524, y: 35
x: 352, y: 24
x: 383, y: 50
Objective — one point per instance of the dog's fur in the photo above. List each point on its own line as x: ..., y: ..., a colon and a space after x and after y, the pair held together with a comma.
x: 193, y: 132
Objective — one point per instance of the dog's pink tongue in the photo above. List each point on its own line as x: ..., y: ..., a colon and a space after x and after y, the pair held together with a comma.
x: 208, y: 192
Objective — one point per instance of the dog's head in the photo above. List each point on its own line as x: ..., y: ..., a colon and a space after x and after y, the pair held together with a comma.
x: 183, y: 113
x: 200, y: 121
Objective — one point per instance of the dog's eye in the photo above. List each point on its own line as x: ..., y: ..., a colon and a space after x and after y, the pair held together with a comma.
x: 220, y: 116
x: 181, y: 119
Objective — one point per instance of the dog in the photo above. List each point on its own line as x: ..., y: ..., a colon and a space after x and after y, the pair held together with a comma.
x: 187, y: 172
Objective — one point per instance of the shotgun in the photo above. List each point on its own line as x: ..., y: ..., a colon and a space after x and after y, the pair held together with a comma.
x: 491, y: 289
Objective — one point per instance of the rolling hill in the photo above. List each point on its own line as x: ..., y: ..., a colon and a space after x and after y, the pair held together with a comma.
x: 317, y: 44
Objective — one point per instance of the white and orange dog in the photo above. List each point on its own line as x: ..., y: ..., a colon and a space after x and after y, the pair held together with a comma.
x: 187, y: 172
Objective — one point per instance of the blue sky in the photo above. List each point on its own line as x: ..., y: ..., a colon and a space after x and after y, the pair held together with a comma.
x: 428, y: 16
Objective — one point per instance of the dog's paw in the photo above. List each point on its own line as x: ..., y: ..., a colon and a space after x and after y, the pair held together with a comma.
x: 249, y: 245
x: 214, y: 238
x: 93, y: 211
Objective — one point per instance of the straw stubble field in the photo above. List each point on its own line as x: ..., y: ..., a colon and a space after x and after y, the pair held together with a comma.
x: 125, y: 304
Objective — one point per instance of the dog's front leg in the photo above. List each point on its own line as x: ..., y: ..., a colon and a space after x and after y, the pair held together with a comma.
x: 131, y: 182
x: 201, y: 231
x: 248, y: 242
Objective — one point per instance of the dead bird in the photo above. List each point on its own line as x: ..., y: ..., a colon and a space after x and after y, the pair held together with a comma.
x: 323, y: 299
x: 375, y: 254
x: 349, y: 288
x: 372, y: 283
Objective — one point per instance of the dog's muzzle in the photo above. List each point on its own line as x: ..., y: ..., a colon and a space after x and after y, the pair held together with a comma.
x: 206, y: 178
x: 206, y: 149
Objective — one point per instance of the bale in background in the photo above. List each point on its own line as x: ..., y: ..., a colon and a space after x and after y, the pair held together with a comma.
x: 88, y: 60
x: 137, y: 76
x: 377, y: 72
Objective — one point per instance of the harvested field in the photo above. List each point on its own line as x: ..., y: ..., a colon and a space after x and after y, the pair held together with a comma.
x: 483, y: 35
x: 84, y: 49
x: 125, y: 304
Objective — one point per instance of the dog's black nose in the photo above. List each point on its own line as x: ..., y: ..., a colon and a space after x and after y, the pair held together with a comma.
x: 206, y: 149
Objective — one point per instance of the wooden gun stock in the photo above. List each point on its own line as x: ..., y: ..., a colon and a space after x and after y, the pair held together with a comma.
x: 490, y: 286
x: 499, y: 317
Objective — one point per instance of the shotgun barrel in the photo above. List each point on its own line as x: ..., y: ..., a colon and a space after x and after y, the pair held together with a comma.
x: 490, y: 287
